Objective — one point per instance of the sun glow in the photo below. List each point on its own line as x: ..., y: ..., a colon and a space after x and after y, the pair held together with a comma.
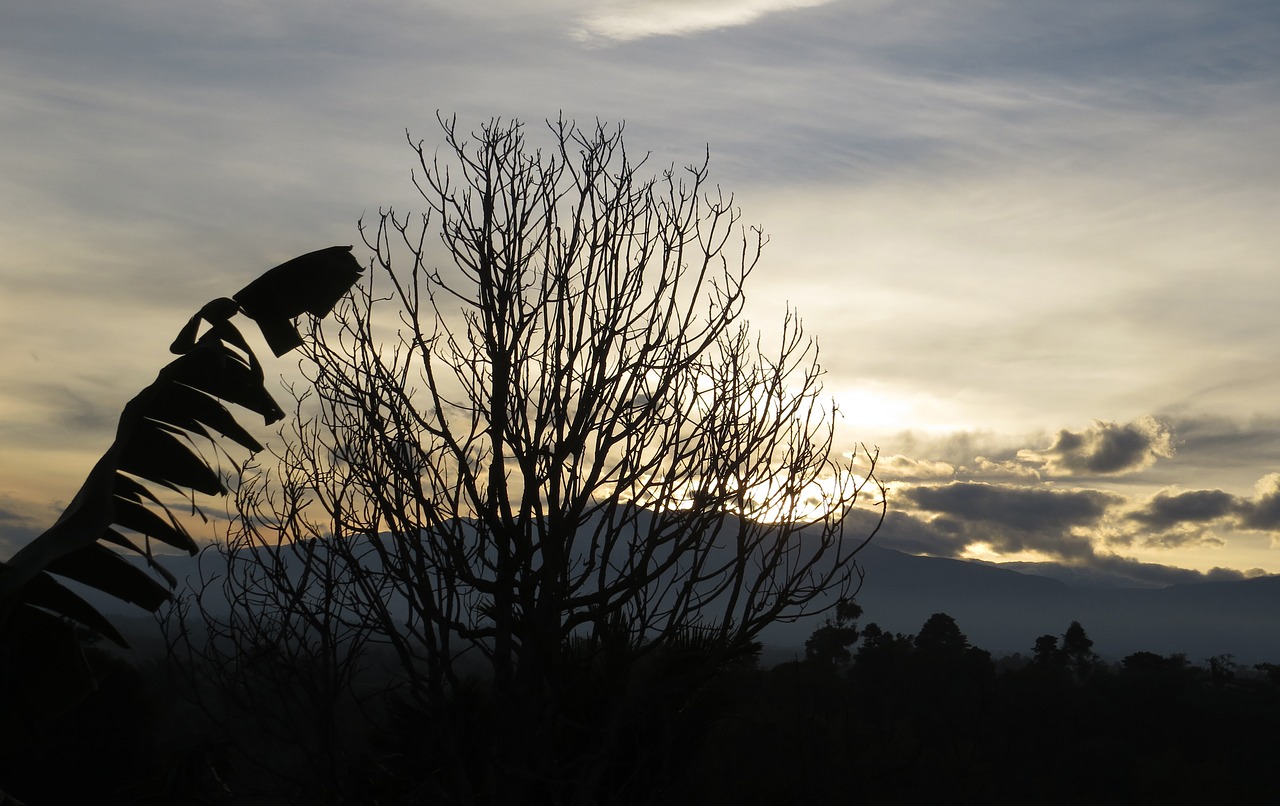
x: 875, y: 408
x: 815, y: 501
x: 985, y: 552
x: 771, y: 501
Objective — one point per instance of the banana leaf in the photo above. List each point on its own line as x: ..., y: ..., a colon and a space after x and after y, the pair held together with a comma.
x: 311, y: 283
x: 99, y: 567
x: 154, y: 444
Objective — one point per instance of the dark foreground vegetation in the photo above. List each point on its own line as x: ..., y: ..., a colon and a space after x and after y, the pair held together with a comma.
x: 930, y: 719
x: 883, y: 719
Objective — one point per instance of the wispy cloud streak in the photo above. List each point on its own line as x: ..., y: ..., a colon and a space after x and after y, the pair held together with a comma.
x: 626, y: 20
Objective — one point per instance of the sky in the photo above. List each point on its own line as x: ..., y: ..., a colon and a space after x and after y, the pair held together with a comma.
x: 1036, y: 241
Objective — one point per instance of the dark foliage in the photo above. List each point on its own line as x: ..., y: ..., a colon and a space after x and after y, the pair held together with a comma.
x: 111, y: 734
x: 926, y: 719
x: 913, y: 719
x: 830, y: 643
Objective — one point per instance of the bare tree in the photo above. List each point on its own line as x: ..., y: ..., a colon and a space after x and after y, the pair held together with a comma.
x: 541, y: 443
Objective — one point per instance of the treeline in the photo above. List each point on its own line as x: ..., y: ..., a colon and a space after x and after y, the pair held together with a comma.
x: 866, y: 717
x: 931, y: 719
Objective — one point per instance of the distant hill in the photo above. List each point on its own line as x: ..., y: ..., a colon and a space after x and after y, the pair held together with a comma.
x: 1004, y: 611
x: 1001, y: 610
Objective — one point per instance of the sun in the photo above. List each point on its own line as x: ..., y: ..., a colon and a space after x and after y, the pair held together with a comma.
x: 876, y: 409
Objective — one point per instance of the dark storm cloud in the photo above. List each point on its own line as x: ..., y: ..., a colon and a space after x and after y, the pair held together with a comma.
x: 1022, y: 508
x: 1166, y: 510
x: 1107, y: 449
x: 1173, y: 519
x: 908, y: 533
x: 1176, y: 518
x: 1013, y: 519
x: 1077, y: 562
x: 1077, y: 528
x: 1262, y: 512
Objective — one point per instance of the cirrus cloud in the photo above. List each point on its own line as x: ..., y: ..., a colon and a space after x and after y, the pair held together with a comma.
x: 625, y: 20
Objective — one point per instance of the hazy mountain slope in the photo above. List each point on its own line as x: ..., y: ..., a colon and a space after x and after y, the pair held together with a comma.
x: 1004, y: 611
x: 999, y: 610
x: 1240, y: 618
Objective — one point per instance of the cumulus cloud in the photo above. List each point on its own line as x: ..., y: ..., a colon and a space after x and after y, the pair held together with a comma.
x: 1077, y: 529
x: 900, y: 467
x: 956, y: 447
x: 1181, y: 512
x: 1175, y: 518
x: 1005, y: 469
x: 1106, y: 449
x: 1007, y: 501
x: 1079, y: 564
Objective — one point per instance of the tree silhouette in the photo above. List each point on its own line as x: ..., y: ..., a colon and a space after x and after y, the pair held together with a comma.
x: 544, y: 445
x: 1077, y: 650
x: 1046, y: 652
x: 829, y: 644
x: 940, y: 637
x: 930, y: 721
